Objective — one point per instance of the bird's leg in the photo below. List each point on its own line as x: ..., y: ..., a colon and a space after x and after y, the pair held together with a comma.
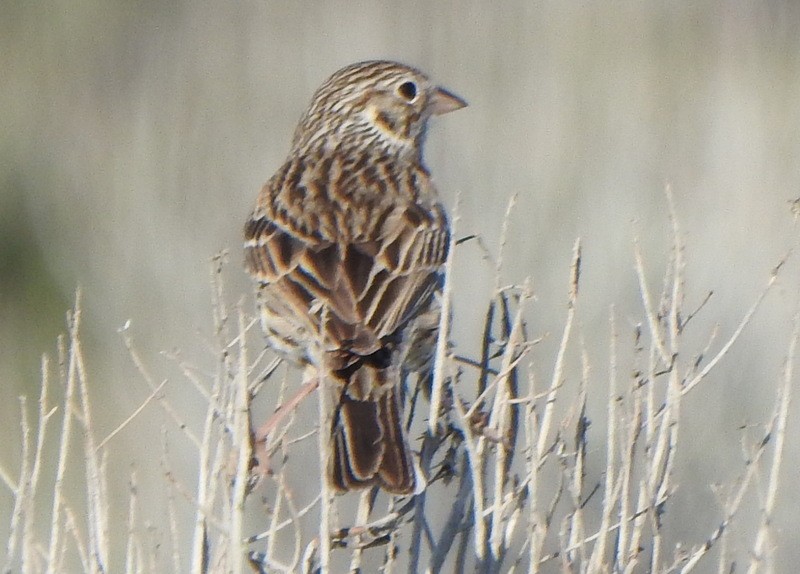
x: 261, y: 452
x: 263, y: 432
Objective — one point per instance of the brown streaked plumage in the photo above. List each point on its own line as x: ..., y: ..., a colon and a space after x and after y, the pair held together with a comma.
x: 347, y: 243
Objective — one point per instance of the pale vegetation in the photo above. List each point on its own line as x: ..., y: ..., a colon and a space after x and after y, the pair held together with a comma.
x: 514, y: 482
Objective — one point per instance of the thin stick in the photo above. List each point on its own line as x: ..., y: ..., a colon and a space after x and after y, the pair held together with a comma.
x: 204, y: 501
x: 45, y: 414
x: 613, y: 486
x: 325, y: 489
x: 133, y: 415
x: 163, y: 403
x: 241, y: 425
x: 132, y: 517
x: 444, y: 330
x: 558, y: 369
x: 478, y: 492
x: 779, y: 432
x: 499, y: 419
x: 512, y: 202
x: 20, y: 490
x: 733, y: 338
x: 56, y: 532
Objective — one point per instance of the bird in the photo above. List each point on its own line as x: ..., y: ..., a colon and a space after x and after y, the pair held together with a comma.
x: 347, y: 245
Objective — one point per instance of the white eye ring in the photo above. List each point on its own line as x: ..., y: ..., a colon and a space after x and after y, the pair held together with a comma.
x: 408, y: 91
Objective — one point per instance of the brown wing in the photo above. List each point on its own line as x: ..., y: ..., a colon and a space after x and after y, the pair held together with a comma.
x: 345, y: 263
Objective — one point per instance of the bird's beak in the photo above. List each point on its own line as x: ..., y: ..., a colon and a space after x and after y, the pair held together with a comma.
x: 444, y: 102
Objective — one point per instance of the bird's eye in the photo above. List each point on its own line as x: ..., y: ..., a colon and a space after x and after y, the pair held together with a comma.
x: 407, y: 90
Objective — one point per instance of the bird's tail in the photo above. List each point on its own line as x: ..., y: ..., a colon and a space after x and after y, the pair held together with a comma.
x: 370, y: 445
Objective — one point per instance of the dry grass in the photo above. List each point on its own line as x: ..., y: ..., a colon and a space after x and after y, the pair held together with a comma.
x: 509, y: 489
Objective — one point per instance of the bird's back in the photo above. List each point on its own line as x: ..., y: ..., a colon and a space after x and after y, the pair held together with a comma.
x: 348, y: 249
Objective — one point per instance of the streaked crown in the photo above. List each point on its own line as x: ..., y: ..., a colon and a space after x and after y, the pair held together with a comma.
x: 376, y: 103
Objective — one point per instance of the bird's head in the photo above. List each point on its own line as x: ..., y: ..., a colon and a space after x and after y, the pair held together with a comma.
x: 377, y: 103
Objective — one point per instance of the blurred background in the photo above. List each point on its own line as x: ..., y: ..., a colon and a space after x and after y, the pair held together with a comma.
x: 134, y: 138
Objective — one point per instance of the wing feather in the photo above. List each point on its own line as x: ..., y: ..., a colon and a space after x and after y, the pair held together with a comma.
x: 348, y: 273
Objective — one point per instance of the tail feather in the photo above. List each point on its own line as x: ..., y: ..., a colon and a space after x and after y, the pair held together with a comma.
x: 397, y: 467
x: 362, y: 438
x: 370, y: 447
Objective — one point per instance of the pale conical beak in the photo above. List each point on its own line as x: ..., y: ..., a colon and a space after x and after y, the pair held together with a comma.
x: 444, y: 102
